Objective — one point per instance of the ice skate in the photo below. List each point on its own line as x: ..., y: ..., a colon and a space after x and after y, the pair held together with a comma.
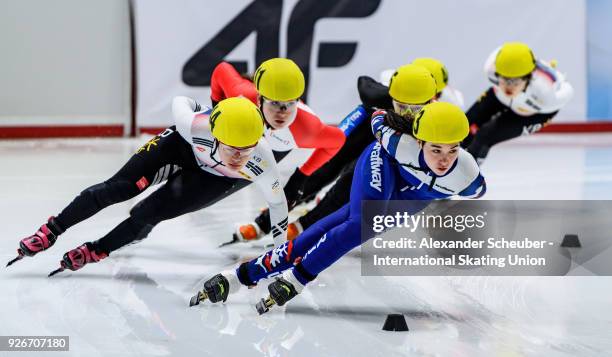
x: 43, y: 239
x: 245, y: 233
x: 294, y: 230
x: 215, y: 289
x: 281, y: 291
x: 78, y: 258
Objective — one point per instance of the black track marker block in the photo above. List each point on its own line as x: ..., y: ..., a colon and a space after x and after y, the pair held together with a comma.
x: 395, y: 322
x: 571, y: 241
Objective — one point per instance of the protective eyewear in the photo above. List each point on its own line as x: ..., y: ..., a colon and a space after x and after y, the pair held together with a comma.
x: 280, y: 105
x: 404, y: 109
x: 237, y: 151
x: 511, y: 82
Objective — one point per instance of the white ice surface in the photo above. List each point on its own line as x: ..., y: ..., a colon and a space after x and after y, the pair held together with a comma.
x: 135, y: 302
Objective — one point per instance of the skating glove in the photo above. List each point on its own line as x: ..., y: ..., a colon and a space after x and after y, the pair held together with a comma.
x: 373, y: 94
x: 294, y: 189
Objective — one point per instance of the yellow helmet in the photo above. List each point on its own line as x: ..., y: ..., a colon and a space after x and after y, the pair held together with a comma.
x: 279, y: 79
x: 436, y: 68
x: 412, y: 84
x: 514, y: 59
x: 236, y: 122
x: 440, y: 123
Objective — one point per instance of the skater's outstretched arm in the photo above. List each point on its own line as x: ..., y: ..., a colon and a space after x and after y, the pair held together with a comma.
x: 373, y: 94
x: 270, y: 186
x: 310, y: 132
x: 226, y: 82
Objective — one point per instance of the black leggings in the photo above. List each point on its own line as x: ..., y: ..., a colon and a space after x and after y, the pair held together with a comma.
x: 496, y: 123
x: 187, y: 188
x: 337, y: 196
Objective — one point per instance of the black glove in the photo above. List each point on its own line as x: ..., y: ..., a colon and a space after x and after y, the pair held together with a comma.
x: 263, y: 221
x: 373, y: 93
x: 294, y: 189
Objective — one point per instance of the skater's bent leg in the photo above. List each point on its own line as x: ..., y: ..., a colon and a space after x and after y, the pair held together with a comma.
x: 345, y: 221
x: 347, y: 235
x: 483, y: 110
x: 493, y: 132
x: 507, y: 126
x: 128, y: 231
x: 284, y: 256
x: 95, y: 198
x: 186, y: 192
x: 330, y: 247
x: 160, y: 157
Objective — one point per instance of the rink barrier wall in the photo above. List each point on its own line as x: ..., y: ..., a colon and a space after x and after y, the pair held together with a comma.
x: 75, y: 131
x: 568, y: 128
x: 66, y: 69
x: 578, y: 128
x: 61, y: 131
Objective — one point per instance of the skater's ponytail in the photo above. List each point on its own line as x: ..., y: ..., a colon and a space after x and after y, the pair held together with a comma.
x: 399, y: 123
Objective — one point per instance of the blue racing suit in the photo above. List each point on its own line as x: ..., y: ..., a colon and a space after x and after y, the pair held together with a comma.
x: 392, y: 168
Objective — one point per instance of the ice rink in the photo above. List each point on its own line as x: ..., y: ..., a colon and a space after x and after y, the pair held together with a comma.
x: 136, y: 302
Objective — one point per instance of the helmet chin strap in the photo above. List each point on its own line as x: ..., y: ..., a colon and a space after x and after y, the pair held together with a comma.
x: 261, y: 105
x: 213, y: 152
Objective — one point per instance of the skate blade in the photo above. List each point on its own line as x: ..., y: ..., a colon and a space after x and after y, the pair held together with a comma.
x: 264, y: 305
x: 195, y: 300
x: 233, y: 241
x: 58, y: 270
x: 19, y: 257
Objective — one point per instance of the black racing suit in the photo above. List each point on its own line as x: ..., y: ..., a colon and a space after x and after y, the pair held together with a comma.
x: 496, y: 122
x: 187, y: 188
